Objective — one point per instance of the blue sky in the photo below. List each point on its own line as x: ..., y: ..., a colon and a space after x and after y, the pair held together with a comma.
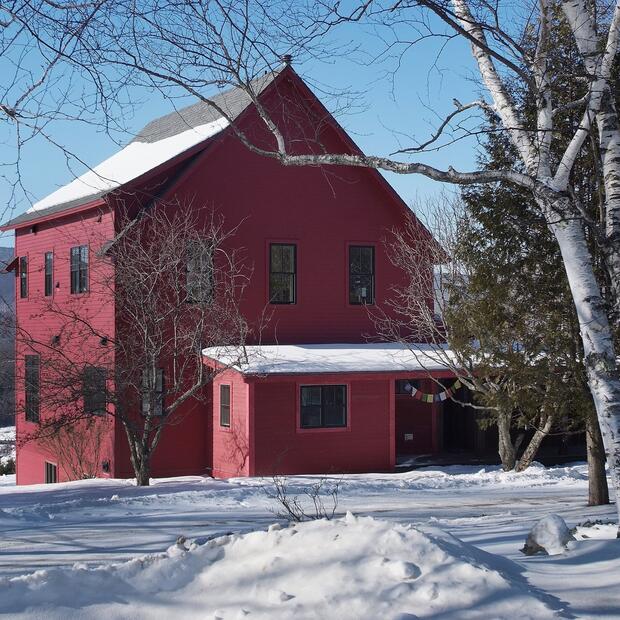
x: 384, y: 117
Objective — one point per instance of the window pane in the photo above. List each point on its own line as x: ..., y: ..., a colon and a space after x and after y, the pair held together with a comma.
x: 224, y: 405
x: 94, y: 390
x: 282, y: 270
x: 310, y: 417
x: 288, y: 258
x: 23, y: 277
x: 276, y: 258
x: 49, y: 270
x: 323, y: 406
x: 361, y: 275
x: 282, y: 288
x: 32, y: 387
x: 354, y: 260
x: 366, y: 260
x: 200, y: 275
x: 361, y: 289
x: 310, y: 395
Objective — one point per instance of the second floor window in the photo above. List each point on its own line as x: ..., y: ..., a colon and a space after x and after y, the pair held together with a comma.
x: 79, y: 269
x: 199, y: 272
x: 282, y: 273
x: 49, y: 273
x: 33, y: 387
x: 23, y: 277
x: 153, y: 392
x: 94, y: 390
x: 361, y: 274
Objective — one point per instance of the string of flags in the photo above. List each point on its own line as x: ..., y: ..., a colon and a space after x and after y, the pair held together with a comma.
x: 435, y: 398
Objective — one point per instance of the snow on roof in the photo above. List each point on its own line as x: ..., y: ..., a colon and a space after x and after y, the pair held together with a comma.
x: 158, y: 142
x: 331, y: 358
x: 133, y: 161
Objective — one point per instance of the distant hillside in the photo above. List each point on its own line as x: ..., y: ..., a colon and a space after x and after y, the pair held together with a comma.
x: 7, y: 284
x: 7, y: 280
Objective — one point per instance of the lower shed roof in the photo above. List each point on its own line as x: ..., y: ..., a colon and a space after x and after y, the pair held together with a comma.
x: 331, y: 358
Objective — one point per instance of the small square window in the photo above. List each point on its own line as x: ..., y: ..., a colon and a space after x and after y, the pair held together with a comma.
x: 323, y: 406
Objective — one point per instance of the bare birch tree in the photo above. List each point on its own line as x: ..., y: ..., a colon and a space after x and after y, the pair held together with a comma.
x: 175, y: 288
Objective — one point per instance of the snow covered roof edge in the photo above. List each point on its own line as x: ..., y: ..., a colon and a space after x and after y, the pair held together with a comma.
x: 158, y: 142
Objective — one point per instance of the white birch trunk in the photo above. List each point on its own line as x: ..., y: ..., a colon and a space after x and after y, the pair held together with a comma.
x: 600, y: 357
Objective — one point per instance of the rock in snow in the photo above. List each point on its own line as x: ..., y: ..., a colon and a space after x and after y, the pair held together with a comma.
x: 349, y: 568
x: 550, y: 535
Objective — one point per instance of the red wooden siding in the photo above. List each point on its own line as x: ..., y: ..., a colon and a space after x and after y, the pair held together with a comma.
x: 90, y: 228
x: 281, y: 447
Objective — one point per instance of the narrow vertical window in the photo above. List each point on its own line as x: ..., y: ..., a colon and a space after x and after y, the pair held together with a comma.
x: 282, y: 273
x: 51, y: 473
x: 94, y: 390
x: 49, y: 273
x: 361, y: 274
x: 23, y: 277
x: 32, y: 387
x: 79, y: 269
x: 199, y: 272
x: 153, y: 392
x: 224, y: 405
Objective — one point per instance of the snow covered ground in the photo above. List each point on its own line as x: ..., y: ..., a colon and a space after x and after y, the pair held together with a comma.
x: 7, y: 444
x: 441, y: 543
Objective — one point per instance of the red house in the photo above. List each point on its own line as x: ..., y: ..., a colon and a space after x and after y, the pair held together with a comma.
x: 316, y: 395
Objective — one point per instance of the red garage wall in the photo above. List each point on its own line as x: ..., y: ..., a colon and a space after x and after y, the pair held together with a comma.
x: 282, y: 447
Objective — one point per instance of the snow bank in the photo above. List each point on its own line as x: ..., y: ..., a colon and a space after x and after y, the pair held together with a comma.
x: 7, y: 444
x: 354, y: 567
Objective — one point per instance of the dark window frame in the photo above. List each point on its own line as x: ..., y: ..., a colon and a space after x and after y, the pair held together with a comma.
x: 23, y: 277
x: 322, y: 405
x: 202, y: 278
x: 354, y: 298
x: 78, y: 269
x: 290, y: 275
x: 95, y: 390
x: 225, y: 408
x: 32, y: 388
x: 48, y: 273
x: 158, y: 390
x: 51, y: 473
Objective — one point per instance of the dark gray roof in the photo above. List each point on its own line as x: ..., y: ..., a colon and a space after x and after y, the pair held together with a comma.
x: 232, y: 102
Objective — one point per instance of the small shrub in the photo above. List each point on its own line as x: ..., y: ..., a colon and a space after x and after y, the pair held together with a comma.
x: 310, y: 505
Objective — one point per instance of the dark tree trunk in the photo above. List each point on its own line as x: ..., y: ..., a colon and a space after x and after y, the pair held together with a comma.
x: 598, y: 491
x: 530, y: 452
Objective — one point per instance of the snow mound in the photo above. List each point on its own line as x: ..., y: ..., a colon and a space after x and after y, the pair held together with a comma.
x: 7, y: 444
x: 350, y: 568
x: 550, y: 535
